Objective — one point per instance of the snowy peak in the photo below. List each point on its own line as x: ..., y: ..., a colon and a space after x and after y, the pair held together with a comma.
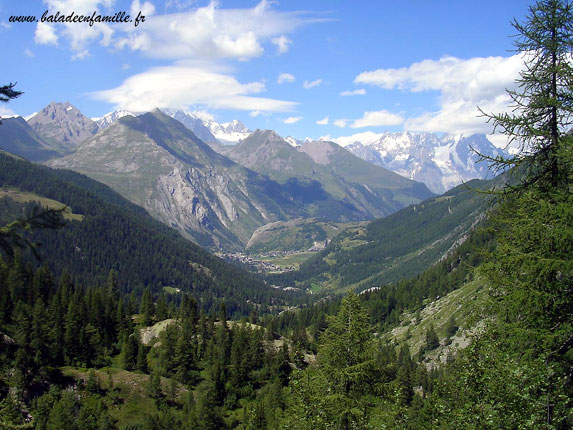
x: 109, y: 118
x: 193, y: 123
x: 228, y: 133
x: 441, y: 162
x: 235, y: 126
x: 208, y: 130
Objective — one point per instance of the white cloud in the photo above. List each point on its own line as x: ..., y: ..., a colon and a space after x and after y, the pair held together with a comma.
x: 285, y: 78
x: 179, y: 4
x: 323, y: 121
x: 282, y: 43
x: 79, y: 36
x: 211, y: 32
x: 202, y: 33
x: 180, y: 86
x: 462, y: 85
x: 28, y: 53
x: 5, y: 112
x: 292, y: 119
x: 5, y: 25
x: 45, y: 34
x: 125, y: 66
x: 80, y: 55
x: 254, y: 113
x: 359, y: 92
x: 312, y: 84
x: 147, y: 9
x: 377, y: 119
x: 341, y: 123
x: 204, y: 115
x: 243, y: 47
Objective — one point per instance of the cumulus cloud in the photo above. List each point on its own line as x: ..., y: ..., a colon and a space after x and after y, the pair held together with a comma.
x: 79, y: 36
x: 45, y: 34
x: 282, y: 43
x: 359, y: 92
x: 210, y: 32
x: 378, y: 119
x: 341, y: 123
x: 146, y: 8
x: 311, y: 84
x: 285, y: 78
x: 323, y: 121
x: 292, y: 119
x: 462, y: 85
x: 181, y: 86
x: 201, y: 33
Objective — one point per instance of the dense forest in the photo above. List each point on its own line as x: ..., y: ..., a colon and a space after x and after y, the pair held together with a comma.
x: 118, y: 350
x: 116, y: 234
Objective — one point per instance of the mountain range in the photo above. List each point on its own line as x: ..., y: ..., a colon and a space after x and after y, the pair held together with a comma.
x: 439, y: 161
x: 158, y: 163
x: 181, y: 167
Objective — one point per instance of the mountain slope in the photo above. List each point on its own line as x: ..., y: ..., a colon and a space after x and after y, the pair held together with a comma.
x: 372, y: 191
x: 158, y: 163
x: 63, y: 124
x: 116, y: 234
x: 193, y: 123
x: 17, y: 137
x: 400, y: 245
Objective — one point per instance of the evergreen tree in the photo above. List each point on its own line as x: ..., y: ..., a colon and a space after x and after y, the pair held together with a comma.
x: 518, y: 372
x: 7, y: 93
x: 543, y: 104
x: 147, y: 308
x: 431, y: 340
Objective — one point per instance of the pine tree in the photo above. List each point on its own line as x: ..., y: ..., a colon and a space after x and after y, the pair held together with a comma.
x: 147, y: 308
x: 346, y: 359
x: 7, y: 93
x: 543, y: 104
x: 518, y: 372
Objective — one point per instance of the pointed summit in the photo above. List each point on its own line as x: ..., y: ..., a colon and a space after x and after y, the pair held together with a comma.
x: 63, y: 124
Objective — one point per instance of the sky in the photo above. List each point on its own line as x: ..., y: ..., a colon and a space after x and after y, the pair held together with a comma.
x: 327, y: 68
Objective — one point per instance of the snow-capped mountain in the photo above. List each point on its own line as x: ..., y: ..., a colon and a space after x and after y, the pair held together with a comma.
x: 193, y: 123
x: 440, y: 162
x: 293, y: 141
x: 109, y: 118
x: 228, y: 133
x: 208, y: 130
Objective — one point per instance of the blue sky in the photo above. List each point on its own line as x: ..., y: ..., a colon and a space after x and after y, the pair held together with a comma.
x: 304, y: 68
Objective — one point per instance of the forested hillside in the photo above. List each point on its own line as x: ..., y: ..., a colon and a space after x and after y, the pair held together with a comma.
x: 398, y: 246
x: 116, y: 234
x: 81, y: 350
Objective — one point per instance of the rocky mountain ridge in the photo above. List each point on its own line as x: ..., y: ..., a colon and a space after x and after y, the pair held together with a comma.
x: 158, y: 163
x: 63, y: 124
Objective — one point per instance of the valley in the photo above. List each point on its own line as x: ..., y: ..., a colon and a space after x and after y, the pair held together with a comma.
x: 168, y: 266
